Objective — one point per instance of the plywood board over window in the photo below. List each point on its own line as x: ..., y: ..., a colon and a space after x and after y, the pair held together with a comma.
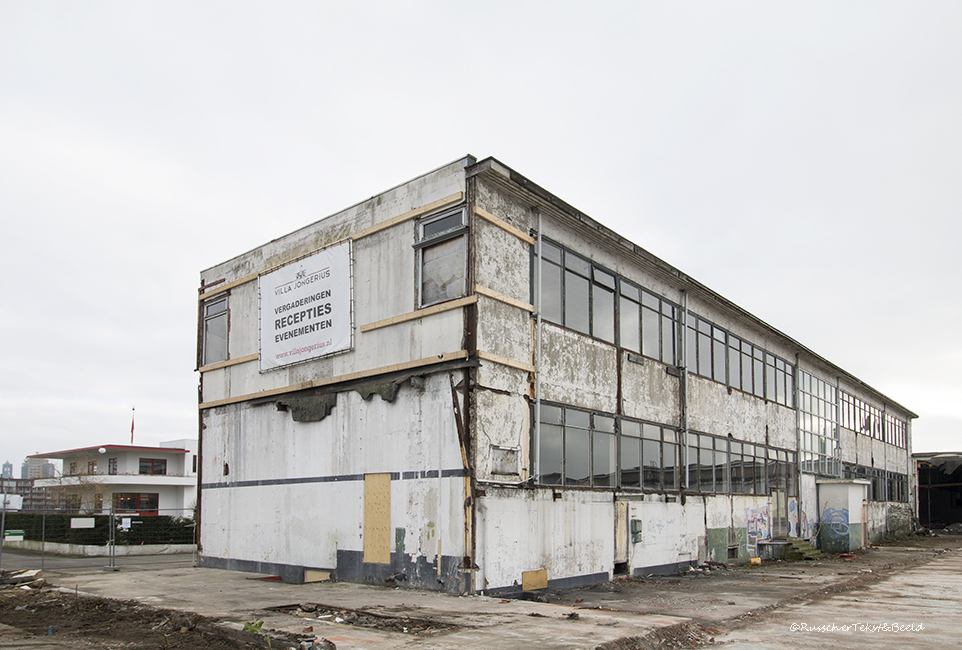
x: 377, y: 518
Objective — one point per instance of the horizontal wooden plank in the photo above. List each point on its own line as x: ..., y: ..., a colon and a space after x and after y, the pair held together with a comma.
x: 505, y: 361
x: 500, y: 297
x: 503, y: 225
x: 420, y: 313
x: 229, y: 362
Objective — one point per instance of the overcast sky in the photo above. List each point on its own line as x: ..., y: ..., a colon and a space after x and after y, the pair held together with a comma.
x: 802, y: 159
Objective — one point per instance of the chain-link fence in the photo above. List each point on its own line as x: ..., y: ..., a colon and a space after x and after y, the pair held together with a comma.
x: 130, y: 535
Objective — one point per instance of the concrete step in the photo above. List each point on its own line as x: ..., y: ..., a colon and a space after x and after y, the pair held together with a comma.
x: 802, y: 549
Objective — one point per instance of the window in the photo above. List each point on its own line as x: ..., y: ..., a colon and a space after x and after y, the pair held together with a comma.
x: 817, y: 420
x: 577, y: 448
x: 73, y: 469
x: 592, y: 300
x: 92, y: 467
x: 215, y: 331
x: 111, y: 465
x: 142, y: 503
x: 441, y: 257
x: 153, y: 466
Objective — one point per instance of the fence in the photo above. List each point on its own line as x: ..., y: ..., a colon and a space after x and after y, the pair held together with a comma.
x: 102, y: 535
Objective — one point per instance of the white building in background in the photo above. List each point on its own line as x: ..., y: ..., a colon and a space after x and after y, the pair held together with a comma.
x: 465, y: 384
x: 127, y: 478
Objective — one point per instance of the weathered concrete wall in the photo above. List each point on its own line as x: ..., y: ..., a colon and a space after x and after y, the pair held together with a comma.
x: 649, y: 392
x: 888, y: 519
x: 385, y: 286
x: 671, y: 536
x: 713, y: 408
x: 291, y: 494
x: 735, y: 525
x: 83, y: 550
x: 577, y: 370
x: 571, y: 536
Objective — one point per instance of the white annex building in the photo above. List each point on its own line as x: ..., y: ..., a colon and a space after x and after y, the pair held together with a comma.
x: 466, y: 384
x: 127, y: 478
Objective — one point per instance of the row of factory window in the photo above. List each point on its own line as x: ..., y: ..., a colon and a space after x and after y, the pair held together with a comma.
x: 822, y: 408
x: 884, y: 486
x: 590, y: 449
x: 589, y: 299
x: 862, y: 417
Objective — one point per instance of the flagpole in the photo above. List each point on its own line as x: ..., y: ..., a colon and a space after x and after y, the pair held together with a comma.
x: 131, y: 425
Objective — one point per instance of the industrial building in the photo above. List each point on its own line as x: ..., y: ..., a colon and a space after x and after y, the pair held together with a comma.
x: 465, y: 384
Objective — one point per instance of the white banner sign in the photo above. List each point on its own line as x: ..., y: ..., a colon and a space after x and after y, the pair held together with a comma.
x: 306, y: 309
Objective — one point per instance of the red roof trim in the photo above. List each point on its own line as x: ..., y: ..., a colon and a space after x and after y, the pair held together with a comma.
x: 59, y: 454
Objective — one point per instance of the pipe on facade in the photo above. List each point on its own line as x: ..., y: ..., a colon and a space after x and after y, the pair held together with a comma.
x: 536, y: 461
x: 798, y: 444
x: 683, y: 381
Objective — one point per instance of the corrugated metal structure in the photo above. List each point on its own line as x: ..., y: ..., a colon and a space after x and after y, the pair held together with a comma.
x: 465, y: 384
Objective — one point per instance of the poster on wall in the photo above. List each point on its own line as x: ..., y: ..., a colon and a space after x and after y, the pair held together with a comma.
x: 306, y: 309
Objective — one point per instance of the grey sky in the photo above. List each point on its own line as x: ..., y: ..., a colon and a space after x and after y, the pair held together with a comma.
x: 803, y: 160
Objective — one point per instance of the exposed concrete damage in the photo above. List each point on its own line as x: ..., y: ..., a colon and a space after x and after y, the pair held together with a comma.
x: 519, y: 398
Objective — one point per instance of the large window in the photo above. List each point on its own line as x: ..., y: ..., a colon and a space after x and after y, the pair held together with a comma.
x: 589, y: 449
x: 141, y: 503
x: 215, y: 331
x: 716, y: 354
x: 577, y: 448
x: 441, y: 257
x: 590, y: 299
x: 862, y: 417
x: 153, y: 466
x: 818, y: 425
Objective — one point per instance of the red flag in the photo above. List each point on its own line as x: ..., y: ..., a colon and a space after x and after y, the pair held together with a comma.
x: 131, y: 425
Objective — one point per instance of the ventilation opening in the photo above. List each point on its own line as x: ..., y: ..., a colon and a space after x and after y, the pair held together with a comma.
x: 732, y: 552
x: 621, y: 568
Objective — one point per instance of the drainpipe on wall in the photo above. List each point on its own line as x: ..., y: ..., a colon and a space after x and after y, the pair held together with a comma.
x: 838, y: 427
x: 798, y: 446
x: 683, y: 380
x: 536, y: 464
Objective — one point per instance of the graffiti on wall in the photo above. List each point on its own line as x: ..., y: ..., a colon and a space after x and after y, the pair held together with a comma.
x: 799, y: 523
x: 759, y: 522
x: 656, y: 527
x: 835, y: 522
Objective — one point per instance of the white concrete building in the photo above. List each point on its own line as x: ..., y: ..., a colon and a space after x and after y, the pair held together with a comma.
x: 127, y: 478
x: 464, y: 383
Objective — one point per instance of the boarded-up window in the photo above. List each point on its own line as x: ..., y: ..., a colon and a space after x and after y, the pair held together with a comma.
x: 377, y: 518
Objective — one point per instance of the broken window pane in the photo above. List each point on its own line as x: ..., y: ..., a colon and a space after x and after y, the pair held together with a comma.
x: 442, y: 271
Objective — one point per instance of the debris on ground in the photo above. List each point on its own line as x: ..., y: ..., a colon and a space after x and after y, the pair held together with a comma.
x: 29, y: 577
x: 68, y: 618
x: 365, y: 618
